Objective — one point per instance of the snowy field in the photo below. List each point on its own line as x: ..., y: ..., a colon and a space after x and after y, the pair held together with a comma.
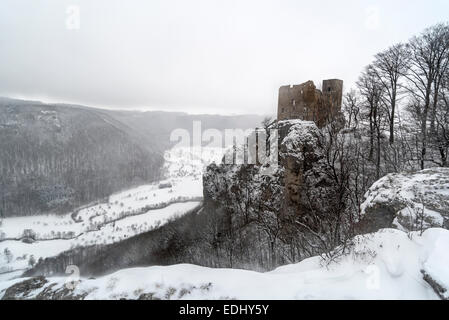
x: 124, y: 215
x: 388, y: 264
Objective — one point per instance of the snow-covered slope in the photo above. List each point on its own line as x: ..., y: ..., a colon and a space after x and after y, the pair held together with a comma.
x: 389, y: 264
x: 122, y: 215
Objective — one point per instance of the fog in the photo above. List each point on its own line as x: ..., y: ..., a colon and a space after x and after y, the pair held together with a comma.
x: 197, y: 56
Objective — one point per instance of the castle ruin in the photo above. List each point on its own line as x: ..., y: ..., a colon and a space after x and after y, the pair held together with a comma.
x: 306, y: 102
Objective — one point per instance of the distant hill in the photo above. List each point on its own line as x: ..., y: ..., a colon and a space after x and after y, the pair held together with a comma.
x: 157, y: 125
x: 55, y: 157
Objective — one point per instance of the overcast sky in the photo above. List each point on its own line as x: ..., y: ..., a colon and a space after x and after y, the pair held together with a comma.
x: 198, y: 55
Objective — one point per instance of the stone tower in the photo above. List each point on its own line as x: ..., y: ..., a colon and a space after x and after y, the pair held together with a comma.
x: 332, y: 93
x: 305, y: 102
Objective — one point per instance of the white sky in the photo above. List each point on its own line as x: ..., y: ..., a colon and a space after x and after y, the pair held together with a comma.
x: 195, y: 56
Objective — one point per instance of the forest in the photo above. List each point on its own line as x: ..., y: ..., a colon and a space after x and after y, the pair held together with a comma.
x: 58, y: 157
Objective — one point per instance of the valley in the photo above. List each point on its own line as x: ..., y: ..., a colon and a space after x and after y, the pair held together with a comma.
x: 26, y: 240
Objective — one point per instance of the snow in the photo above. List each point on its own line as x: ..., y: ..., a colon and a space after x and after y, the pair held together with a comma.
x: 190, y: 161
x: 388, y: 264
x: 437, y: 262
x: 23, y: 251
x: 106, y: 233
x: 123, y: 215
x: 300, y: 132
x: 13, y: 228
x: 383, y: 265
x: 424, y: 193
x: 133, y: 225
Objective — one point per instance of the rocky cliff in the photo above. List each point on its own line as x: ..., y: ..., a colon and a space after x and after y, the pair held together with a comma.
x: 290, y: 206
x: 303, y: 206
x: 300, y: 174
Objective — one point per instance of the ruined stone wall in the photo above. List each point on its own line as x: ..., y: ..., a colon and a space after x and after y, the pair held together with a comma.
x: 305, y: 102
x: 333, y: 92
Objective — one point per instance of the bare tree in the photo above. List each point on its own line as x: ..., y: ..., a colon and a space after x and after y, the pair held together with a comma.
x: 389, y: 66
x: 372, y: 93
x: 440, y: 133
x: 8, y: 255
x: 428, y: 60
x: 31, y: 261
x: 351, y: 108
x: 267, y: 122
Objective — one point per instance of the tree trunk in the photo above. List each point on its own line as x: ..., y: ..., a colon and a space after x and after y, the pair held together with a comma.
x: 424, y: 124
x: 371, y: 129
x: 393, y: 107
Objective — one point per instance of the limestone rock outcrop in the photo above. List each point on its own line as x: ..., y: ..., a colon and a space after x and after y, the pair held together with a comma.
x: 408, y: 201
x: 296, y: 190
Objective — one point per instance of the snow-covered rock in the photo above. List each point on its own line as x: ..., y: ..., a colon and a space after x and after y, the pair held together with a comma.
x: 268, y: 205
x: 389, y: 264
x: 409, y: 201
x: 300, y: 168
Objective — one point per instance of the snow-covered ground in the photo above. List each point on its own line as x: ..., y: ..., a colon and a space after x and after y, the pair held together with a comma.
x: 388, y: 264
x: 105, y: 234
x: 123, y: 215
